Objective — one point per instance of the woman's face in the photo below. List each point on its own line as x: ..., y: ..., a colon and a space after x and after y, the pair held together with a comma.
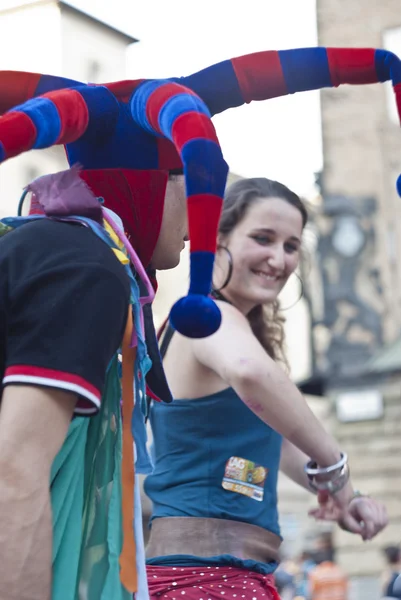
x: 265, y: 247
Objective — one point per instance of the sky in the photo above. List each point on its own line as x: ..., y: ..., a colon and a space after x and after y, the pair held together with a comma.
x: 279, y: 138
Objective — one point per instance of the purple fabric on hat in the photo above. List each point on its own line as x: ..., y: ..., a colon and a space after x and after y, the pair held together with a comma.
x: 64, y: 194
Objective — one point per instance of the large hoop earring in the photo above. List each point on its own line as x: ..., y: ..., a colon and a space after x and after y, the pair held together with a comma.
x: 230, y: 269
x: 298, y: 299
x: 21, y: 202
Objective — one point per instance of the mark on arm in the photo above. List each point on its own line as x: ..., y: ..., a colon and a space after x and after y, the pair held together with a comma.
x: 254, y: 405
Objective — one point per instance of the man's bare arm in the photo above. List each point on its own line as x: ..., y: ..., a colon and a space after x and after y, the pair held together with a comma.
x: 33, y: 425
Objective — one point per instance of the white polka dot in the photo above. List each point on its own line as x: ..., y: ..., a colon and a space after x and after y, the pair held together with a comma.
x: 174, y: 583
x: 174, y: 568
x: 182, y: 569
x: 155, y: 576
x: 211, y: 574
x: 219, y: 586
x: 182, y: 593
x: 254, y: 590
x: 254, y: 599
x: 222, y: 593
x: 202, y: 573
x: 224, y: 576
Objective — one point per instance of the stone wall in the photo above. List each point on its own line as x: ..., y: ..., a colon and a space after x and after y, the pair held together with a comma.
x: 361, y: 145
x: 374, y: 450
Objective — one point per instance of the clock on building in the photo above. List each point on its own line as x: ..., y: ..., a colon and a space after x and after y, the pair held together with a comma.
x: 348, y: 237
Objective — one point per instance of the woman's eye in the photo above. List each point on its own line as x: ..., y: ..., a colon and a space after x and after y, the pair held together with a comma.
x: 291, y: 248
x: 262, y: 239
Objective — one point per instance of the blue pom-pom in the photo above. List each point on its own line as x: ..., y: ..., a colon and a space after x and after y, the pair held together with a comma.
x: 399, y: 185
x: 195, y: 316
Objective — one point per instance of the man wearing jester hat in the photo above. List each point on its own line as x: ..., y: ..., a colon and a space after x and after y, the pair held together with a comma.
x: 76, y: 288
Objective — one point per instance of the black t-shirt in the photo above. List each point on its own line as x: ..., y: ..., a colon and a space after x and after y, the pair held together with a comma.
x: 64, y: 300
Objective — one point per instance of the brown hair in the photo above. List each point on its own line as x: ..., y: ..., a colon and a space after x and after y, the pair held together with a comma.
x: 265, y: 320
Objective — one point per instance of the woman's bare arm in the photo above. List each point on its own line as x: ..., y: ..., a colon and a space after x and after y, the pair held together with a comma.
x: 33, y: 425
x: 238, y: 358
x: 292, y: 464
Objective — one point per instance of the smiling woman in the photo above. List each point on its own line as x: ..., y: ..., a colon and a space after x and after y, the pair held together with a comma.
x: 261, y: 226
x: 237, y: 418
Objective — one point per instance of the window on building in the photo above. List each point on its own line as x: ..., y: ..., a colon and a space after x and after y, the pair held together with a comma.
x: 93, y: 71
x: 392, y: 42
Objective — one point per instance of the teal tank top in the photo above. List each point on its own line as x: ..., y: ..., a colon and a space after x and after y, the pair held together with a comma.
x: 213, y: 457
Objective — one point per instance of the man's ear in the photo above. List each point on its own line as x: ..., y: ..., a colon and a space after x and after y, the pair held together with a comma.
x: 221, y: 240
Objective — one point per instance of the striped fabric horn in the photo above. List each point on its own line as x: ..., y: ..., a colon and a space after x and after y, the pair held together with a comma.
x: 58, y: 117
x: 270, y: 74
x: 175, y: 112
x: 16, y: 87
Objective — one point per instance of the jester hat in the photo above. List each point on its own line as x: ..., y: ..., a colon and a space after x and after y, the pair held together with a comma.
x: 153, y: 127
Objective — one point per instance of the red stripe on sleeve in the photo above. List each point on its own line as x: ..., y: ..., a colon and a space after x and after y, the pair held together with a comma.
x: 260, y: 75
x: 52, y: 374
x: 352, y: 65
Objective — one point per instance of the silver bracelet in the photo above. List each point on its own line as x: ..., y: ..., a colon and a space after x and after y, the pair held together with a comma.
x: 312, y: 468
x: 333, y: 485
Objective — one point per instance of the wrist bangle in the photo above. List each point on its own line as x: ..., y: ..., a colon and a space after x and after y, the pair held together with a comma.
x: 312, y: 469
x: 331, y: 486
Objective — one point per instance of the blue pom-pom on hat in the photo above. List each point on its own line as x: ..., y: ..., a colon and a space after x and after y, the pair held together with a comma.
x: 195, y: 316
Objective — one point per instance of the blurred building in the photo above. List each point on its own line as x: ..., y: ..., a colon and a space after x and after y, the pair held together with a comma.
x: 53, y: 37
x: 354, y: 287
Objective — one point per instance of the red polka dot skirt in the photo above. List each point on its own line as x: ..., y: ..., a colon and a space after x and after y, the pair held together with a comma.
x: 209, y: 583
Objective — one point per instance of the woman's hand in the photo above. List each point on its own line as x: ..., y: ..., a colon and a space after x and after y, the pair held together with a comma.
x: 362, y: 515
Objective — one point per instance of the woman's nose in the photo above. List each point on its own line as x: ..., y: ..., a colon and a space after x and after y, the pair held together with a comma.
x: 276, y: 259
